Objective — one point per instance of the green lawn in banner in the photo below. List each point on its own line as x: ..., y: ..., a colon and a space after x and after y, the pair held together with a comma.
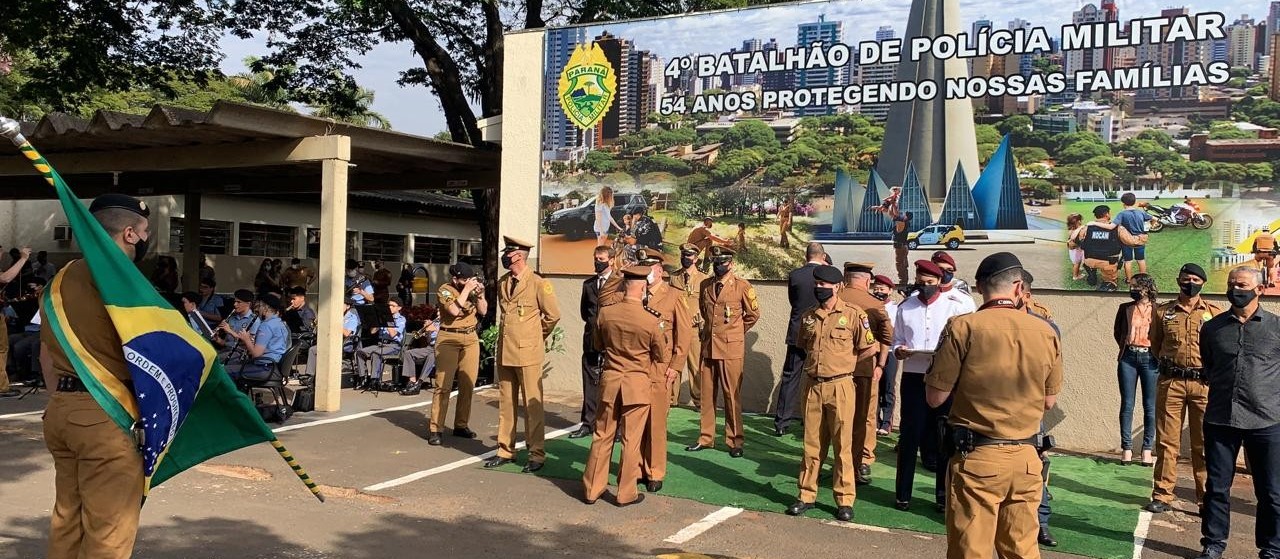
x: 1095, y: 504
x: 1167, y: 250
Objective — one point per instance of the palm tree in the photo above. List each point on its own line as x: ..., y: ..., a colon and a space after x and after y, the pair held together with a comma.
x: 260, y: 86
x: 355, y: 107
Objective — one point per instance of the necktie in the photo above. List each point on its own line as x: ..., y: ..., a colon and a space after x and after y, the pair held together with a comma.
x: 719, y: 286
x: 512, y: 292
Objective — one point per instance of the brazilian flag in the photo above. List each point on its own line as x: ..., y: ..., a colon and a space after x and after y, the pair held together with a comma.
x: 181, y: 398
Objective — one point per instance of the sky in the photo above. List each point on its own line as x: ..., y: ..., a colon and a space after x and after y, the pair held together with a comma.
x: 415, y: 109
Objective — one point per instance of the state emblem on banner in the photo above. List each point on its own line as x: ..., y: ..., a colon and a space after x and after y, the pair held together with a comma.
x: 588, y: 86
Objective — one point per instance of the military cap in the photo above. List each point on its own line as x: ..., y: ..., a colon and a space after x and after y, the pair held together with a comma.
x: 649, y: 256
x: 462, y: 270
x: 636, y: 272
x: 928, y: 268
x: 721, y: 254
x: 829, y: 274
x: 120, y: 201
x: 941, y: 257
x: 996, y: 263
x: 689, y: 249
x: 883, y: 280
x: 1027, y: 278
x: 512, y: 243
x: 352, y: 264
x: 270, y: 300
x: 1194, y: 270
x: 243, y: 295
x: 858, y: 267
x: 297, y: 290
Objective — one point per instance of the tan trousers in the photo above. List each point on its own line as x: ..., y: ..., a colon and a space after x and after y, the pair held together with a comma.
x: 516, y: 385
x: 1174, y: 398
x: 864, y: 420
x: 992, y: 499
x: 1110, y: 272
x: 695, y: 375
x: 98, y: 479
x: 653, y: 445
x: 4, y: 356
x: 595, y: 475
x: 725, y: 376
x: 463, y: 357
x: 828, y: 420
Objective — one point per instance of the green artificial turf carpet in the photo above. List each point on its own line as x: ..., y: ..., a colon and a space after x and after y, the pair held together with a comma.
x: 1095, y: 504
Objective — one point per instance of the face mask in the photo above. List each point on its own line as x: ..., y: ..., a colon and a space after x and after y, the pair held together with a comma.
x: 881, y: 296
x: 600, y: 266
x: 947, y: 277
x: 823, y: 294
x: 685, y: 262
x: 1135, y: 295
x: 1240, y: 298
x: 139, y: 250
x: 721, y: 269
x: 506, y: 261
x: 651, y: 278
x: 928, y: 292
x: 1190, y: 289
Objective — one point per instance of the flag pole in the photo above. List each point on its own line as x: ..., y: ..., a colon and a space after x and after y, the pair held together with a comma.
x: 11, y: 129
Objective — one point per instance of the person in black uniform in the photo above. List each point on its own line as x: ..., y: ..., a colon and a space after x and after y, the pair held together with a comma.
x: 789, y: 404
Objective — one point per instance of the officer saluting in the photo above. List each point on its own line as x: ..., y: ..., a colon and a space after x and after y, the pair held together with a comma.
x: 632, y: 338
x: 834, y: 336
x: 1001, y: 391
x: 729, y: 309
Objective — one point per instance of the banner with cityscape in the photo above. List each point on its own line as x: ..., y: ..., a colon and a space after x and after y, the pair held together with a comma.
x: 1093, y: 144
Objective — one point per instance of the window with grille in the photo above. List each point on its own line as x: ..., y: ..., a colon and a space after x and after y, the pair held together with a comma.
x: 380, y: 246
x: 215, y: 236
x: 471, y: 253
x: 258, y: 239
x: 432, y: 250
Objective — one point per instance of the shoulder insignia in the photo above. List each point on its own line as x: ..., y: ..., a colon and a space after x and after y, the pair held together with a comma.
x: 546, y: 287
x: 866, y: 322
x: 751, y: 298
x: 653, y: 312
x: 445, y: 295
x: 871, y: 339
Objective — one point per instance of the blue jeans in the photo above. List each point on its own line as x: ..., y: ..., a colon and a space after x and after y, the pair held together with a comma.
x: 1262, y: 448
x: 1137, y: 366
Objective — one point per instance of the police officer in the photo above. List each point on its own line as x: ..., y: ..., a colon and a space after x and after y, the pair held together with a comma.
x: 670, y: 304
x: 688, y: 281
x: 632, y: 338
x: 729, y: 310
x: 529, y: 313
x: 835, y: 336
x: 98, y: 466
x: 1182, y: 388
x: 462, y: 303
x: 867, y: 374
x: 1004, y: 368
x: 1045, y: 511
x: 1264, y: 248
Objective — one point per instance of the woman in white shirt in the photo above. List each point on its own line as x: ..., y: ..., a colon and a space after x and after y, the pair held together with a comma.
x: 604, y: 216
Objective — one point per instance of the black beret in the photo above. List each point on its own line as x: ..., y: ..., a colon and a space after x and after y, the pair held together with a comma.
x: 1194, y: 270
x: 996, y: 263
x: 120, y: 201
x: 272, y: 301
x: 829, y: 274
x: 462, y: 270
x: 243, y: 295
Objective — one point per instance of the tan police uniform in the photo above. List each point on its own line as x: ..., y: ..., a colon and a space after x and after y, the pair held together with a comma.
x: 729, y: 310
x: 864, y: 415
x: 1000, y: 363
x: 1181, y: 390
x: 529, y: 313
x: 688, y: 281
x: 832, y: 340
x: 457, y: 352
x: 632, y: 341
x: 1263, y: 245
x: 678, y: 334
x: 98, y: 469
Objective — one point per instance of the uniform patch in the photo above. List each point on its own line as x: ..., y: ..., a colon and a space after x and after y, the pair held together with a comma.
x: 870, y: 338
x: 445, y: 296
x: 1207, y: 316
x: 751, y: 299
x: 546, y: 287
x: 843, y: 321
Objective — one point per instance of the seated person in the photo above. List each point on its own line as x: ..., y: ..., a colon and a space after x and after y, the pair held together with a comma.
x: 389, y: 339
x: 24, y: 346
x: 425, y: 354
x: 191, y: 310
x: 264, y: 344
x: 357, y: 285
x: 350, y: 331
x: 241, y: 319
x: 210, y: 304
x: 299, y: 316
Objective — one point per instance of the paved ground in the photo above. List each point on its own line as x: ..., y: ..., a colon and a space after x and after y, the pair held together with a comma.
x: 248, y: 504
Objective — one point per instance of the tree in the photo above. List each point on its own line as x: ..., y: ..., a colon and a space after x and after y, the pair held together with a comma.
x: 1029, y: 155
x: 599, y: 162
x: 1145, y: 153
x: 988, y: 134
x: 1015, y: 122
x: 1040, y: 189
x: 659, y: 164
x: 1158, y: 136
x: 1079, y: 152
x: 751, y: 133
x: 356, y: 109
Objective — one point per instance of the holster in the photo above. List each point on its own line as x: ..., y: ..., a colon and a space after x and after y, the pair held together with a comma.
x: 959, y: 439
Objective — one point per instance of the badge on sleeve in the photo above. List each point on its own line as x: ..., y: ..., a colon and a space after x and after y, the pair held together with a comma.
x: 445, y: 295
x: 751, y: 299
x: 871, y: 339
x: 546, y: 287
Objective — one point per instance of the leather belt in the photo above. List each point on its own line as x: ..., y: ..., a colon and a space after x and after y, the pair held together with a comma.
x: 821, y: 380
x: 1137, y: 349
x: 466, y: 330
x: 1174, y: 371
x: 70, y: 384
x: 979, y: 440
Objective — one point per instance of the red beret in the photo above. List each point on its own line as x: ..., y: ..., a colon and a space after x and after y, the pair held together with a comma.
x: 927, y: 268
x: 941, y: 257
x: 883, y: 280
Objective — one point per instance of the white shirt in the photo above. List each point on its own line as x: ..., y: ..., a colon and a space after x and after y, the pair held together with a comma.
x: 919, y: 326
x: 891, y: 309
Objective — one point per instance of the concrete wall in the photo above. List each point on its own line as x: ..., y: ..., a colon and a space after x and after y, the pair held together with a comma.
x: 1086, y: 417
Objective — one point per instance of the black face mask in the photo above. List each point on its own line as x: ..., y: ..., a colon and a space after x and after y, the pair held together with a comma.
x: 1135, y: 295
x: 927, y: 292
x: 1240, y: 298
x: 1190, y: 289
x: 721, y: 269
x: 881, y: 296
x: 947, y: 277
x: 139, y: 250
x: 823, y: 294
x: 506, y: 261
x: 600, y: 266
x: 686, y: 261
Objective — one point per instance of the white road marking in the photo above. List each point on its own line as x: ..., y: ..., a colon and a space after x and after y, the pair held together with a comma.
x: 455, y: 465
x: 1140, y: 533
x: 853, y: 526
x: 708, y: 522
x: 363, y: 414
x: 23, y: 414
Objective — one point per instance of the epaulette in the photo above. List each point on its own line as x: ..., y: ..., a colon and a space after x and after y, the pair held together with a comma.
x: 653, y: 312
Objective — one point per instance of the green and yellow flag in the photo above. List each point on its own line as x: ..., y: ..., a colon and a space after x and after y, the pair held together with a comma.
x: 181, y: 397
